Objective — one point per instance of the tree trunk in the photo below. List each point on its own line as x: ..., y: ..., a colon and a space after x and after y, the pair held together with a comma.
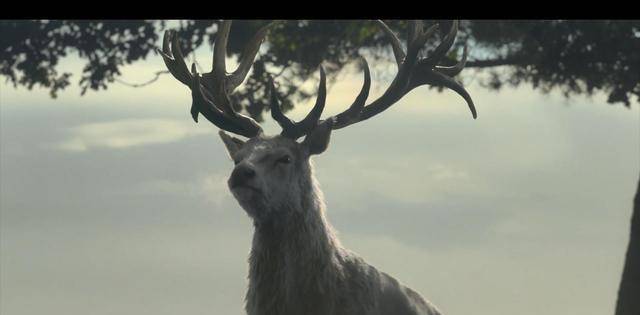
x: 629, y: 292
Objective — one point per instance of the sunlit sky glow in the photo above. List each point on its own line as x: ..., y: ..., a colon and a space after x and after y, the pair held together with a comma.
x: 116, y: 202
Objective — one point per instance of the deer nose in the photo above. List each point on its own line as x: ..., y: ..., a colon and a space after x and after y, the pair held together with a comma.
x: 241, y: 174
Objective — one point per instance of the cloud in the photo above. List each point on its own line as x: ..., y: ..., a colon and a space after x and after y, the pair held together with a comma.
x: 210, y: 187
x: 125, y: 133
x: 415, y: 178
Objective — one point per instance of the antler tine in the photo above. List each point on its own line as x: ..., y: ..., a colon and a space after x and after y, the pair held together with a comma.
x: 398, y: 52
x: 218, y: 87
x: 417, y: 38
x: 454, y: 70
x: 439, y: 79
x: 293, y: 129
x: 173, y: 58
x: 224, y: 84
x: 415, y: 31
x: 248, y: 55
x: 352, y: 114
x: 422, y: 38
x: 310, y: 121
x: 220, y: 51
x: 455, y: 86
x: 444, y: 46
x: 195, y: 106
x: 276, y: 111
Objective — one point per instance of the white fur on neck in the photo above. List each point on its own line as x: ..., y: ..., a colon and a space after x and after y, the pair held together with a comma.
x: 295, y: 258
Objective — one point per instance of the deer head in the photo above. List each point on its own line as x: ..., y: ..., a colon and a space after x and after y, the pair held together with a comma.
x: 272, y: 174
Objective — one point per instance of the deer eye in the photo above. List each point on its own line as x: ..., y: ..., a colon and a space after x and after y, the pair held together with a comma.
x: 285, y: 159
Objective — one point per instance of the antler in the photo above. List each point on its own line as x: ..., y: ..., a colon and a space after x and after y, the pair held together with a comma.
x: 296, y: 130
x: 412, y: 72
x: 210, y: 91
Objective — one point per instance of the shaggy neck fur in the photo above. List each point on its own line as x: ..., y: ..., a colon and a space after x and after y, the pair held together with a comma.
x: 295, y: 262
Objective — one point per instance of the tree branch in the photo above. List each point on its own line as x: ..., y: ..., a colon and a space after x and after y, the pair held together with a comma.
x: 487, y: 63
x: 137, y: 85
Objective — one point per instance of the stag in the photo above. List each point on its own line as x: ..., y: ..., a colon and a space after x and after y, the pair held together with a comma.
x: 297, y: 264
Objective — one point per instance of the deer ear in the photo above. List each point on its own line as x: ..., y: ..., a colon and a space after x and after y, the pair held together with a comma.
x: 231, y: 143
x: 317, y: 140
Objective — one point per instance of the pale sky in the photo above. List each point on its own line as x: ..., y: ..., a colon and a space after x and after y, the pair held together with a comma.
x: 116, y: 202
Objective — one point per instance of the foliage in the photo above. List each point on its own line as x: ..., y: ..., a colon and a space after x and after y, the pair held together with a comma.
x: 578, y: 57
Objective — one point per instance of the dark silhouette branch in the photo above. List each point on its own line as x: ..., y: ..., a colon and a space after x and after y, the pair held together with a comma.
x: 137, y: 85
x: 488, y: 63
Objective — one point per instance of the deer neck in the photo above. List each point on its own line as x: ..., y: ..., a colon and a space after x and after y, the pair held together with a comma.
x: 295, y: 256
